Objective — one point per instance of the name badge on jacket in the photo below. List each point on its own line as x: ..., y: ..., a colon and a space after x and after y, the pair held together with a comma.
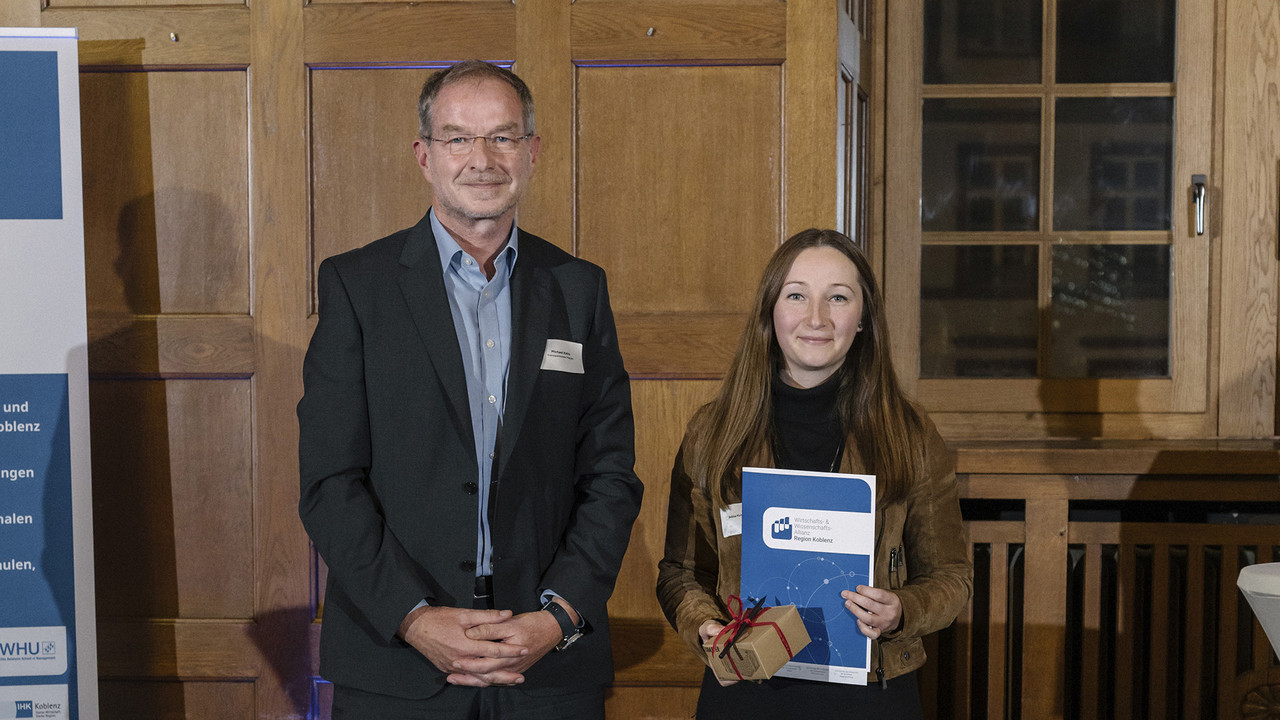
x: 562, y: 356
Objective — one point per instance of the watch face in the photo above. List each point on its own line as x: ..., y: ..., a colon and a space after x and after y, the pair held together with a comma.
x: 569, y: 640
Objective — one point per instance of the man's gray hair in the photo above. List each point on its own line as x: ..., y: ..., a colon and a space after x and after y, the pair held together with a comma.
x: 471, y: 70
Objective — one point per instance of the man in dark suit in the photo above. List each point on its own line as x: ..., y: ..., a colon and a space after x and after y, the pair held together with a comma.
x: 467, y: 441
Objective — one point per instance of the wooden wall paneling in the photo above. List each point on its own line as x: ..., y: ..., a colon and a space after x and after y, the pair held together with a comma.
x: 684, y: 345
x: 810, y: 109
x: 997, y: 661
x: 158, y: 36
x: 166, y: 174
x: 166, y: 192
x: 1193, y: 649
x: 1249, y: 198
x: 874, y: 49
x: 20, y: 13
x: 651, y: 703
x: 716, y: 153
x: 278, y: 134
x: 1110, y: 470
x: 1228, y: 605
x: 172, y: 346
x: 409, y: 33
x: 168, y: 649
x: 176, y: 700
x: 1014, y: 427
x: 666, y: 30
x: 901, y: 190
x: 1084, y: 396
x: 365, y: 182
x: 700, y: 191
x: 961, y: 673
x: 1262, y: 648
x: 404, y: 2
x: 1091, y: 643
x: 1160, y: 646
x: 1044, y: 616
x: 543, y: 62
x: 101, y: 4
x: 645, y: 648
x: 173, y: 498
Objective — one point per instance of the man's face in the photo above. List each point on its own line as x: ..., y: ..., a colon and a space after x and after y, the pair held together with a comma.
x: 481, y: 184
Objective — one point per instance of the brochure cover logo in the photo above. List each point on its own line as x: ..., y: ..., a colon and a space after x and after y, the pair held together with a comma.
x: 33, y: 651
x: 812, y: 530
x: 38, y: 702
x: 782, y: 529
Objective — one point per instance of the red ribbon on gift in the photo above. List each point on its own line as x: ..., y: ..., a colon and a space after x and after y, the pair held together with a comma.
x: 741, y: 621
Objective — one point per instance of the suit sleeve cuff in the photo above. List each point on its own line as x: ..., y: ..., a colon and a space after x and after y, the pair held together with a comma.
x: 546, y: 598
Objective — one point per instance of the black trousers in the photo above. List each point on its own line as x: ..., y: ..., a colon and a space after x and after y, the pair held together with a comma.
x: 778, y: 698
x: 455, y: 701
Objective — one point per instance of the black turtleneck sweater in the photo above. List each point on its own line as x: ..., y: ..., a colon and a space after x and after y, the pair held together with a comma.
x: 806, y: 426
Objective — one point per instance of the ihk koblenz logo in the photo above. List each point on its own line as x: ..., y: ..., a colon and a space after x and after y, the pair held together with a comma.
x: 38, y: 702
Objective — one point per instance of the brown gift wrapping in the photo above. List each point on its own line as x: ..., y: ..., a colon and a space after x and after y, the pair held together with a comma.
x: 765, y: 641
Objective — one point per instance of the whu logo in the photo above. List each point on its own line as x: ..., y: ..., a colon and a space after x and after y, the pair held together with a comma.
x: 29, y: 649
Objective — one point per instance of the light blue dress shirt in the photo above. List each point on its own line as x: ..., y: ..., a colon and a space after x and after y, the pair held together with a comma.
x: 481, y: 310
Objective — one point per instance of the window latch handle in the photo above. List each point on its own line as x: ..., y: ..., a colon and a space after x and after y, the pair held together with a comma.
x: 1200, y: 195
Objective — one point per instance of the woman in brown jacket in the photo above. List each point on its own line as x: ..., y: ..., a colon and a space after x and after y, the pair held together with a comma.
x: 811, y: 387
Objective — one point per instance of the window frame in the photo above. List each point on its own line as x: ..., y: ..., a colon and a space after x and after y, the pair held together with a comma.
x: 1186, y: 390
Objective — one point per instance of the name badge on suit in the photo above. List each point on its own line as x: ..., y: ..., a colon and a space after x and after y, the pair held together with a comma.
x: 562, y: 356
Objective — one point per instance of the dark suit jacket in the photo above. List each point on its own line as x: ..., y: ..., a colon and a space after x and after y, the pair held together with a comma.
x: 388, y: 462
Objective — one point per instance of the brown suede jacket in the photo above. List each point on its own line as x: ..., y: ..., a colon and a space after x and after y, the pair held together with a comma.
x: 933, y: 574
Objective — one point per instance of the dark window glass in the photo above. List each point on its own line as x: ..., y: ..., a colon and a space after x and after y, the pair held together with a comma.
x: 981, y: 164
x: 1110, y: 311
x: 982, y: 41
x: 1113, y: 161
x: 1111, y: 41
x: 978, y: 314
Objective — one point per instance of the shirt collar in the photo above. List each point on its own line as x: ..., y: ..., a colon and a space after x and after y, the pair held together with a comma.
x: 451, y: 252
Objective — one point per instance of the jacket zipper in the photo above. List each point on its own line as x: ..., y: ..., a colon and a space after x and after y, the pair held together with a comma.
x: 893, y: 574
x: 884, y: 684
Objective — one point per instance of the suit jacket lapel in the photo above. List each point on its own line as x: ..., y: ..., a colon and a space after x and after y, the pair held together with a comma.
x: 530, y: 300
x: 422, y: 282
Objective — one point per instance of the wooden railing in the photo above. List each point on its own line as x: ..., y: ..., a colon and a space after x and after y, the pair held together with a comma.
x: 1105, y: 584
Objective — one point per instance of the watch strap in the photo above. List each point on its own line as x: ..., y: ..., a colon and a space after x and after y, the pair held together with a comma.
x: 568, y: 630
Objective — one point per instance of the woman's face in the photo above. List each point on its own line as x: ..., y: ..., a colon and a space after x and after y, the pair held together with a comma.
x: 816, y: 315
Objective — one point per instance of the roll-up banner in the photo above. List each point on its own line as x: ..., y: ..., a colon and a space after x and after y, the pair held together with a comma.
x: 48, y: 653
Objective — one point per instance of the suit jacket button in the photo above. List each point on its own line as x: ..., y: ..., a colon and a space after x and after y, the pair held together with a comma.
x: 470, y: 488
x: 468, y: 565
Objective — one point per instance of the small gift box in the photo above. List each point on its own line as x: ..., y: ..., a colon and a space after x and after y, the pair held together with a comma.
x: 757, y: 642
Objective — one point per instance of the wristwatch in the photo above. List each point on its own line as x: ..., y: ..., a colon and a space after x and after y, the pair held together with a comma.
x: 567, y: 628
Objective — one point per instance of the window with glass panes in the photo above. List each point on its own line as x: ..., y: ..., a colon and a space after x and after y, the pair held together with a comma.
x: 1048, y: 189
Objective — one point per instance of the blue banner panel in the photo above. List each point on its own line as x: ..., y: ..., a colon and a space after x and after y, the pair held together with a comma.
x: 37, y: 573
x: 30, y: 136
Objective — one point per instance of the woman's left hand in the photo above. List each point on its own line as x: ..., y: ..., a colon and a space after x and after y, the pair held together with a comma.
x: 878, y: 611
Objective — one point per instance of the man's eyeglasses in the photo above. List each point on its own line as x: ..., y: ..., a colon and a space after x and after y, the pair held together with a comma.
x: 498, y: 144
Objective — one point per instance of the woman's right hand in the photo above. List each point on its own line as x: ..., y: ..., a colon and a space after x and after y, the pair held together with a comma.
x: 707, y: 632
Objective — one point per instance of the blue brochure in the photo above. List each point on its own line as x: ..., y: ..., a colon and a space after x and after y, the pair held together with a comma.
x: 806, y: 536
